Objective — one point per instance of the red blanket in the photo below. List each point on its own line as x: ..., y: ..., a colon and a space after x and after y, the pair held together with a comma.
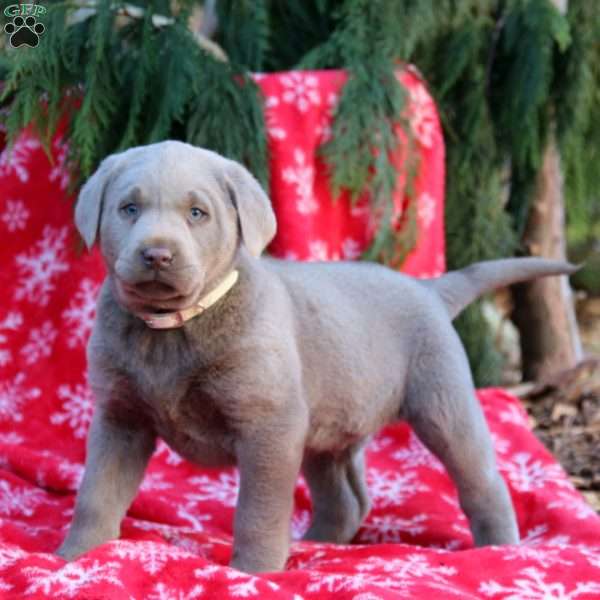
x: 176, y: 538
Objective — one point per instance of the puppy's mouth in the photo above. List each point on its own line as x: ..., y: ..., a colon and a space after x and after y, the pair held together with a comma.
x: 155, y: 289
x: 139, y: 290
x: 153, y: 296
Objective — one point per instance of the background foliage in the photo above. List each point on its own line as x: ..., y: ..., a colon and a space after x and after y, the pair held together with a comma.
x: 502, y: 71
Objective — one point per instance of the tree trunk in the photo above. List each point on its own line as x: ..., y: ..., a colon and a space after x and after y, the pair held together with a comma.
x: 544, y: 311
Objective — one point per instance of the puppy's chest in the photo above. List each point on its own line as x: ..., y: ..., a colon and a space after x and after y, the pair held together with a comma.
x: 188, y: 414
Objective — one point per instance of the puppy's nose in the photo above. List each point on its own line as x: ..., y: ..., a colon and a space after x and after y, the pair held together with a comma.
x: 157, y: 258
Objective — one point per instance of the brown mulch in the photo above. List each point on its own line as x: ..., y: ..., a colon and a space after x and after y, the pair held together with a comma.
x: 565, y: 415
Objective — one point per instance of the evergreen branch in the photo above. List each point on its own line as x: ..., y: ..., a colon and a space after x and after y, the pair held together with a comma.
x: 226, y: 94
x: 246, y: 37
x: 143, y: 69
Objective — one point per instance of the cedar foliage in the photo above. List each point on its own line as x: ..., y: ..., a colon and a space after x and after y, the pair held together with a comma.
x: 500, y: 70
x: 136, y: 84
x: 500, y: 75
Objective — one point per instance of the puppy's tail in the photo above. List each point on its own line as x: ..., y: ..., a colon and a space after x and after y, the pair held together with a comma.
x: 459, y: 288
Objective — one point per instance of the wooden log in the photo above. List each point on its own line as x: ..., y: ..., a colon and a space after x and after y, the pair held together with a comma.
x: 544, y: 309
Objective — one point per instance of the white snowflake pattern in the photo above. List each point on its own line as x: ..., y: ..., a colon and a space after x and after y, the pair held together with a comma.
x: 16, y: 160
x: 207, y: 572
x: 538, y: 535
x: 336, y: 583
x: 300, y: 524
x: 10, y: 555
x: 451, y: 500
x: 171, y: 457
x: 313, y: 559
x: 187, y: 544
x: 592, y: 555
x: 526, y: 473
x: 162, y: 592
x: 77, y: 408
x: 302, y: 176
x: 379, y: 443
x: 248, y: 587
x: 33, y: 531
x: 13, y: 394
x: 244, y: 588
x: 11, y: 322
x: 318, y: 250
x: 389, y: 529
x: 188, y: 513
x: 533, y: 585
x: 174, y: 535
x: 545, y: 557
x: 501, y: 445
x: 413, y: 565
x: 572, y: 504
x: 350, y: 249
x: 514, y: 415
x: 152, y: 556
x: 396, y: 574
x: 79, y: 317
x: 15, y: 215
x: 273, y: 127
x: 41, y: 265
x: 323, y: 129
x: 18, y: 501
x: 41, y: 340
x: 70, y: 579
x: 155, y: 481
x: 241, y: 589
x: 417, y: 455
x: 388, y: 488
x: 224, y: 489
x: 301, y: 90
x: 422, y: 115
x: 59, y: 171
x: 426, y: 209
x: 11, y: 438
x: 459, y: 522
x: 71, y: 472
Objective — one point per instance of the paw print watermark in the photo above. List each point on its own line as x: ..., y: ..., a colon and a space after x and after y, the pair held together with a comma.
x: 24, y: 29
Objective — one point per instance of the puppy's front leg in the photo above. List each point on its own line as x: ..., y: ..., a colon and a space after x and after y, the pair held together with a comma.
x: 116, y: 459
x: 269, y: 465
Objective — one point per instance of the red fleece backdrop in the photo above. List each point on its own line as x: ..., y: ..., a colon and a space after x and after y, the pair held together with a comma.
x: 176, y: 539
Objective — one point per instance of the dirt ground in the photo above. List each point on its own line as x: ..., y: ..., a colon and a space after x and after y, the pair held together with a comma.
x: 565, y: 410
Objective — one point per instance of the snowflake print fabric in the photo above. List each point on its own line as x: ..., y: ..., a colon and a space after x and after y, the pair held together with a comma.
x: 312, y: 224
x: 176, y: 539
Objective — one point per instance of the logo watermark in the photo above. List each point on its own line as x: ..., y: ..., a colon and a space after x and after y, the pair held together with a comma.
x: 25, y: 28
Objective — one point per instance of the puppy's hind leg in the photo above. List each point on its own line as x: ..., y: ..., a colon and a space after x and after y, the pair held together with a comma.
x: 339, y: 495
x: 443, y: 410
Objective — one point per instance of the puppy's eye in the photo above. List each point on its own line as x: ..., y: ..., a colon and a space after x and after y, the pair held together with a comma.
x: 197, y: 213
x: 130, y: 210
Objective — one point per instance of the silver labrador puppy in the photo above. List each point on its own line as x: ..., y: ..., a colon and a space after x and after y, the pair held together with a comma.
x: 271, y: 365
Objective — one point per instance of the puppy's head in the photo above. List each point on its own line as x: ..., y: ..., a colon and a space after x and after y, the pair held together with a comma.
x: 170, y: 218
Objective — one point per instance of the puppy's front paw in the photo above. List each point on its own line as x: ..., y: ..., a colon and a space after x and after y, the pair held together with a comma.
x: 69, y: 552
x: 253, y: 563
x: 74, y: 547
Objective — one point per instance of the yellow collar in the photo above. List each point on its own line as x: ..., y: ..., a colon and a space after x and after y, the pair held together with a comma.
x: 176, y: 319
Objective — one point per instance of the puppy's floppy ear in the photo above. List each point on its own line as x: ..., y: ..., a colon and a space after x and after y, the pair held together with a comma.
x: 91, y: 199
x: 255, y: 214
